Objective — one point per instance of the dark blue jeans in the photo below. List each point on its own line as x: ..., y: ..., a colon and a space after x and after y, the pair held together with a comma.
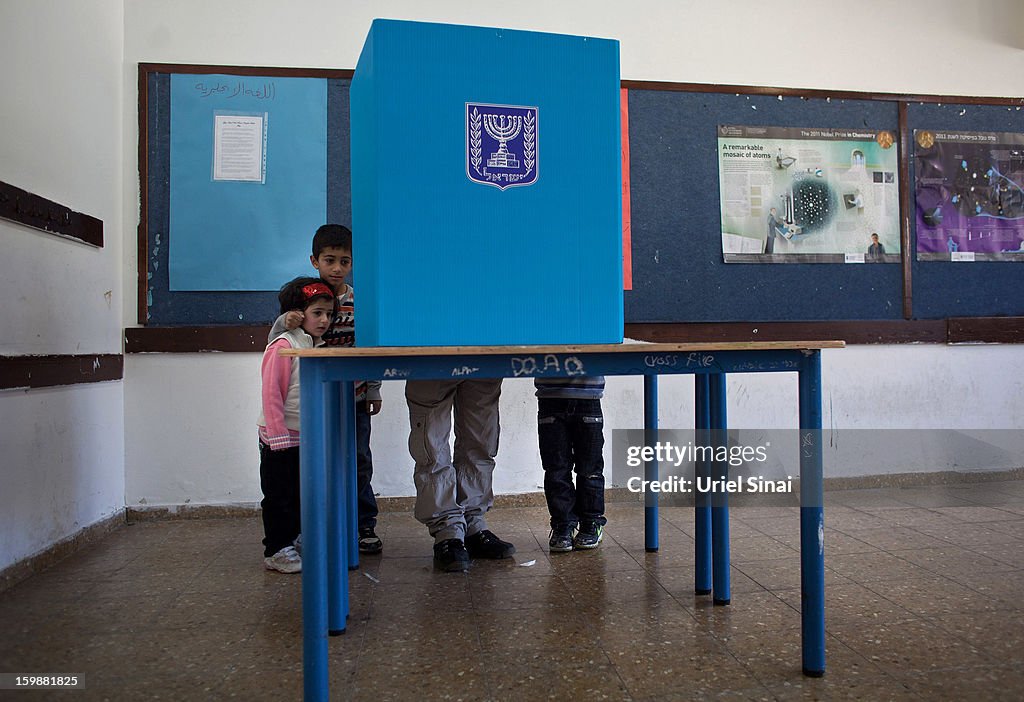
x: 571, y: 441
x: 364, y: 469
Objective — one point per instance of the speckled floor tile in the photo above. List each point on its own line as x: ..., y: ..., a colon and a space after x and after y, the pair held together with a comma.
x: 852, y: 602
x: 451, y: 594
x: 977, y: 514
x: 541, y: 592
x: 513, y: 632
x: 948, y: 560
x: 755, y: 694
x: 912, y: 517
x: 760, y: 614
x: 784, y: 573
x: 932, y: 596
x: 655, y: 669
x: 935, y: 496
x: 759, y: 548
x: 909, y: 646
x: 769, y: 526
x: 924, y: 595
x: 451, y: 675
x: 679, y: 582
x: 1011, y: 528
x: 1003, y: 590
x: 831, y: 687
x: 620, y: 624
x: 970, y: 535
x: 980, y: 682
x: 889, y: 539
x: 999, y: 635
x: 837, y: 542
x: 780, y: 662
x: 874, y: 498
x: 872, y: 567
x: 608, y: 558
x: 558, y: 674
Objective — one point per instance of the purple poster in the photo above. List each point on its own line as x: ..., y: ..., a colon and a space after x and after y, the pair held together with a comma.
x: 968, y: 195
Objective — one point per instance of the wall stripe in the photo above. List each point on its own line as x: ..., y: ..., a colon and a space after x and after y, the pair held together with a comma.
x: 24, y: 372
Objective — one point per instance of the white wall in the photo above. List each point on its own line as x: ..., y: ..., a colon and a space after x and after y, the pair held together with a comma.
x: 190, y: 429
x: 61, y: 138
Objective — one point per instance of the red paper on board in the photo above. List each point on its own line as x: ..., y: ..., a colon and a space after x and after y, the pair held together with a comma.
x: 627, y: 257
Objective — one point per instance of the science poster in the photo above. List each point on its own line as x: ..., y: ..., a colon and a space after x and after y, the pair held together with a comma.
x: 799, y: 195
x: 968, y: 195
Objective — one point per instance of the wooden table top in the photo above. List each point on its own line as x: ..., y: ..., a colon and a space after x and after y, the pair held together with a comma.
x: 628, y: 347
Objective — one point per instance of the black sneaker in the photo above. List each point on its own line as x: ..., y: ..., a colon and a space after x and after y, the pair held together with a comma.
x: 450, y: 556
x: 560, y: 540
x: 589, y: 536
x: 484, y: 544
x: 369, y: 542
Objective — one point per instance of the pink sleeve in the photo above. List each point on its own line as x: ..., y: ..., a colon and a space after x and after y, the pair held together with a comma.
x: 276, y: 373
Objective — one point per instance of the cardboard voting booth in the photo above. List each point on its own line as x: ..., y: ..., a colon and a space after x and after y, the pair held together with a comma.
x: 486, y: 187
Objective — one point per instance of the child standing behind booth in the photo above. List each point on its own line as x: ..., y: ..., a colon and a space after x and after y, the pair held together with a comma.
x: 332, y: 258
x: 279, y: 421
x: 570, y: 427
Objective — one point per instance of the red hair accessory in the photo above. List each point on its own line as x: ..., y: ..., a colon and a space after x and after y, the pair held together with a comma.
x: 314, y: 289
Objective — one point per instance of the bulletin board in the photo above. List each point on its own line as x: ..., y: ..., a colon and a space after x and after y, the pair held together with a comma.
x: 217, y: 244
x: 679, y: 274
x: 966, y: 288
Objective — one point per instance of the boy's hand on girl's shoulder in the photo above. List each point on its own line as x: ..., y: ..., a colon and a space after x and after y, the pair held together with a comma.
x: 292, y: 319
x: 373, y: 406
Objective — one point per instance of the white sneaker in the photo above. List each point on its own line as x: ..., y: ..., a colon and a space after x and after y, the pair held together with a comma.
x: 287, y: 560
x: 298, y: 544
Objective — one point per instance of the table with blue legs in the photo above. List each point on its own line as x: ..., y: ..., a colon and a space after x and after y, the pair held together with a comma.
x: 328, y: 490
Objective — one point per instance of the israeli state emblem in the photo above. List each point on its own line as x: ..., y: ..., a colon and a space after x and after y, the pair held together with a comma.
x: 501, y: 144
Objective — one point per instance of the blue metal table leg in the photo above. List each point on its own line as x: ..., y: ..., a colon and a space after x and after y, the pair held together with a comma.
x: 348, y: 399
x: 812, y: 518
x: 313, y: 490
x: 650, y: 467
x: 702, y: 505
x: 338, y: 439
x: 719, y: 497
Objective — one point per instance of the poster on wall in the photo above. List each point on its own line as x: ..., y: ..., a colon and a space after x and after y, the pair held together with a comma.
x: 808, y: 195
x: 969, y: 195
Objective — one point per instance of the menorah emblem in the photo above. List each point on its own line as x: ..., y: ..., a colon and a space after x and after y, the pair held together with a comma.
x: 509, y: 134
x: 503, y: 131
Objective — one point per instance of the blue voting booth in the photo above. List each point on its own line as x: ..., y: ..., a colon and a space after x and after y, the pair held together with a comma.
x: 486, y: 187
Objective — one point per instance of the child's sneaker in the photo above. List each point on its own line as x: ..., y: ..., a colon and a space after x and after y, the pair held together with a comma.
x: 589, y: 536
x: 287, y: 560
x: 560, y: 540
x: 369, y: 542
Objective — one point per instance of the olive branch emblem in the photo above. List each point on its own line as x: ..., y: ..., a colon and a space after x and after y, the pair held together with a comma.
x: 475, y: 142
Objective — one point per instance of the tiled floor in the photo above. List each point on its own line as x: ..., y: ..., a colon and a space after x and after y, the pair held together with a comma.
x: 924, y: 586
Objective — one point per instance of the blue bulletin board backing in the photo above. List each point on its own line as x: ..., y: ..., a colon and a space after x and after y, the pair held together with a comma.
x: 959, y: 289
x: 277, y: 248
x: 678, y: 270
x: 217, y: 226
